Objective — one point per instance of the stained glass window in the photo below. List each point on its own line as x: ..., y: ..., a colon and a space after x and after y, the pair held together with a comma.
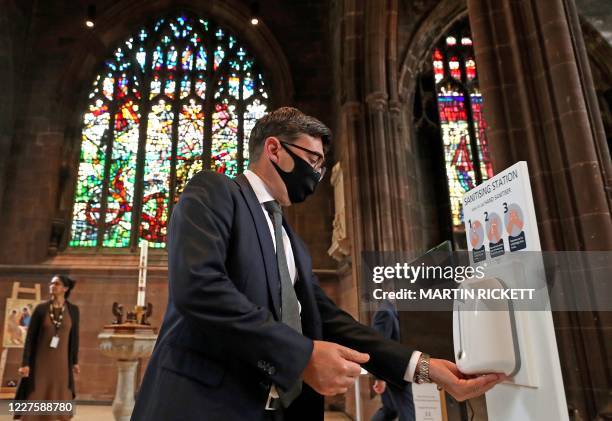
x: 178, y: 96
x: 462, y: 122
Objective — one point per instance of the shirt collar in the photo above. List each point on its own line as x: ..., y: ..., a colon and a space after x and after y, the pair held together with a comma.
x: 259, y: 187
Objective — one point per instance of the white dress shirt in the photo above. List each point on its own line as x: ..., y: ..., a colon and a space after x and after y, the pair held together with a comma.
x: 263, y: 195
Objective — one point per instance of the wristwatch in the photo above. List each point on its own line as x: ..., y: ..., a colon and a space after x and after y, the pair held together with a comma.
x: 421, y: 374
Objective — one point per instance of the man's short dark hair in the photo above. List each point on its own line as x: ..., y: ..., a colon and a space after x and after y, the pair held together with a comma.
x: 288, y: 124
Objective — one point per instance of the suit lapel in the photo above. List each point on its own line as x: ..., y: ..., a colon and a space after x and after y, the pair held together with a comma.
x: 265, y: 241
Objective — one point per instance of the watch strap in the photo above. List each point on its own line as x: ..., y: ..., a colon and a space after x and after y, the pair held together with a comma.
x: 422, y: 370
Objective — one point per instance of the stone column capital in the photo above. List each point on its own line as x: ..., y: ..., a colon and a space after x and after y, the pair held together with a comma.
x: 377, y: 101
x: 395, y: 107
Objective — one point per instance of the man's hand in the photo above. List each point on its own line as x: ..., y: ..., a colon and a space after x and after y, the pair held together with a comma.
x: 76, y: 369
x: 24, y: 371
x: 379, y: 387
x: 333, y: 368
x: 461, y: 387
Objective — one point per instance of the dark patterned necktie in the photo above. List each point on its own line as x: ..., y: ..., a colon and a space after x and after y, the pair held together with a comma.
x: 290, y: 310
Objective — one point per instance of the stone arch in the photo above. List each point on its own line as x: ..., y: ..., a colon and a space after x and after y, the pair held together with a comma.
x: 439, y: 20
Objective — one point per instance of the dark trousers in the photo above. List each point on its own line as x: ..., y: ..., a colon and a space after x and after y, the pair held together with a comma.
x: 397, y: 403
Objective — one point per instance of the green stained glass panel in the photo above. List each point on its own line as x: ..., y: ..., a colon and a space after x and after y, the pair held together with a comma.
x: 88, y: 196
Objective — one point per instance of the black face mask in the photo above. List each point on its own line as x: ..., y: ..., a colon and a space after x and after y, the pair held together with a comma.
x: 301, y: 181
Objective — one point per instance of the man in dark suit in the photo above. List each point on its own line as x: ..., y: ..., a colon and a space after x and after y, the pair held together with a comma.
x: 396, y: 402
x: 248, y: 333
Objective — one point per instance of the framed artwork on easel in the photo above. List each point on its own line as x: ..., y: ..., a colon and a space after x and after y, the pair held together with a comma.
x: 18, y: 312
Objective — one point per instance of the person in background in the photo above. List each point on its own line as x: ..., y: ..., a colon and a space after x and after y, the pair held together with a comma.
x: 12, y: 328
x: 50, y: 354
x: 396, y: 403
x: 25, y: 317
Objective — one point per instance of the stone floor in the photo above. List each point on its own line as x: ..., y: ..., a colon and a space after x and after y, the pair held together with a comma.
x: 103, y: 413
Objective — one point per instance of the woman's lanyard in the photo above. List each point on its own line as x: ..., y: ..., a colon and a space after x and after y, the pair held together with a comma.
x: 57, y: 323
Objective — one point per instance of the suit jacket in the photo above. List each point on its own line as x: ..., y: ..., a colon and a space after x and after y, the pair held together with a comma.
x: 221, y: 345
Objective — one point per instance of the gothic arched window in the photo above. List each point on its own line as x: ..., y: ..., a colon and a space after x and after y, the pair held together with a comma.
x: 462, y: 122
x: 178, y: 96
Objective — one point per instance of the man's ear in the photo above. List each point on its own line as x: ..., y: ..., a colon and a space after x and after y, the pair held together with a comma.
x: 271, y: 148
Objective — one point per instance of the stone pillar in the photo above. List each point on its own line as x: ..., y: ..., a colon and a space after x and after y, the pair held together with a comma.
x: 385, y: 169
x: 370, y: 144
x: 13, y: 30
x: 404, y: 178
x: 37, y: 135
x: 539, y: 109
x: 126, y: 385
x: 32, y: 193
x: 127, y: 343
x: 373, y: 151
x: 370, y: 135
x: 539, y: 106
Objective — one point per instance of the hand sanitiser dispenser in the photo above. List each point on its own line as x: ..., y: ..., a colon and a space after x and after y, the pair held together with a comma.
x: 484, y: 331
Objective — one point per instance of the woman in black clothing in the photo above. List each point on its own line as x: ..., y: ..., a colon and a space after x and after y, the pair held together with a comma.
x: 50, y: 355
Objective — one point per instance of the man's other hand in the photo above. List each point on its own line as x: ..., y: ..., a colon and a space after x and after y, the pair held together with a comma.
x: 333, y: 368
x: 24, y: 371
x: 461, y: 386
x: 379, y: 387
